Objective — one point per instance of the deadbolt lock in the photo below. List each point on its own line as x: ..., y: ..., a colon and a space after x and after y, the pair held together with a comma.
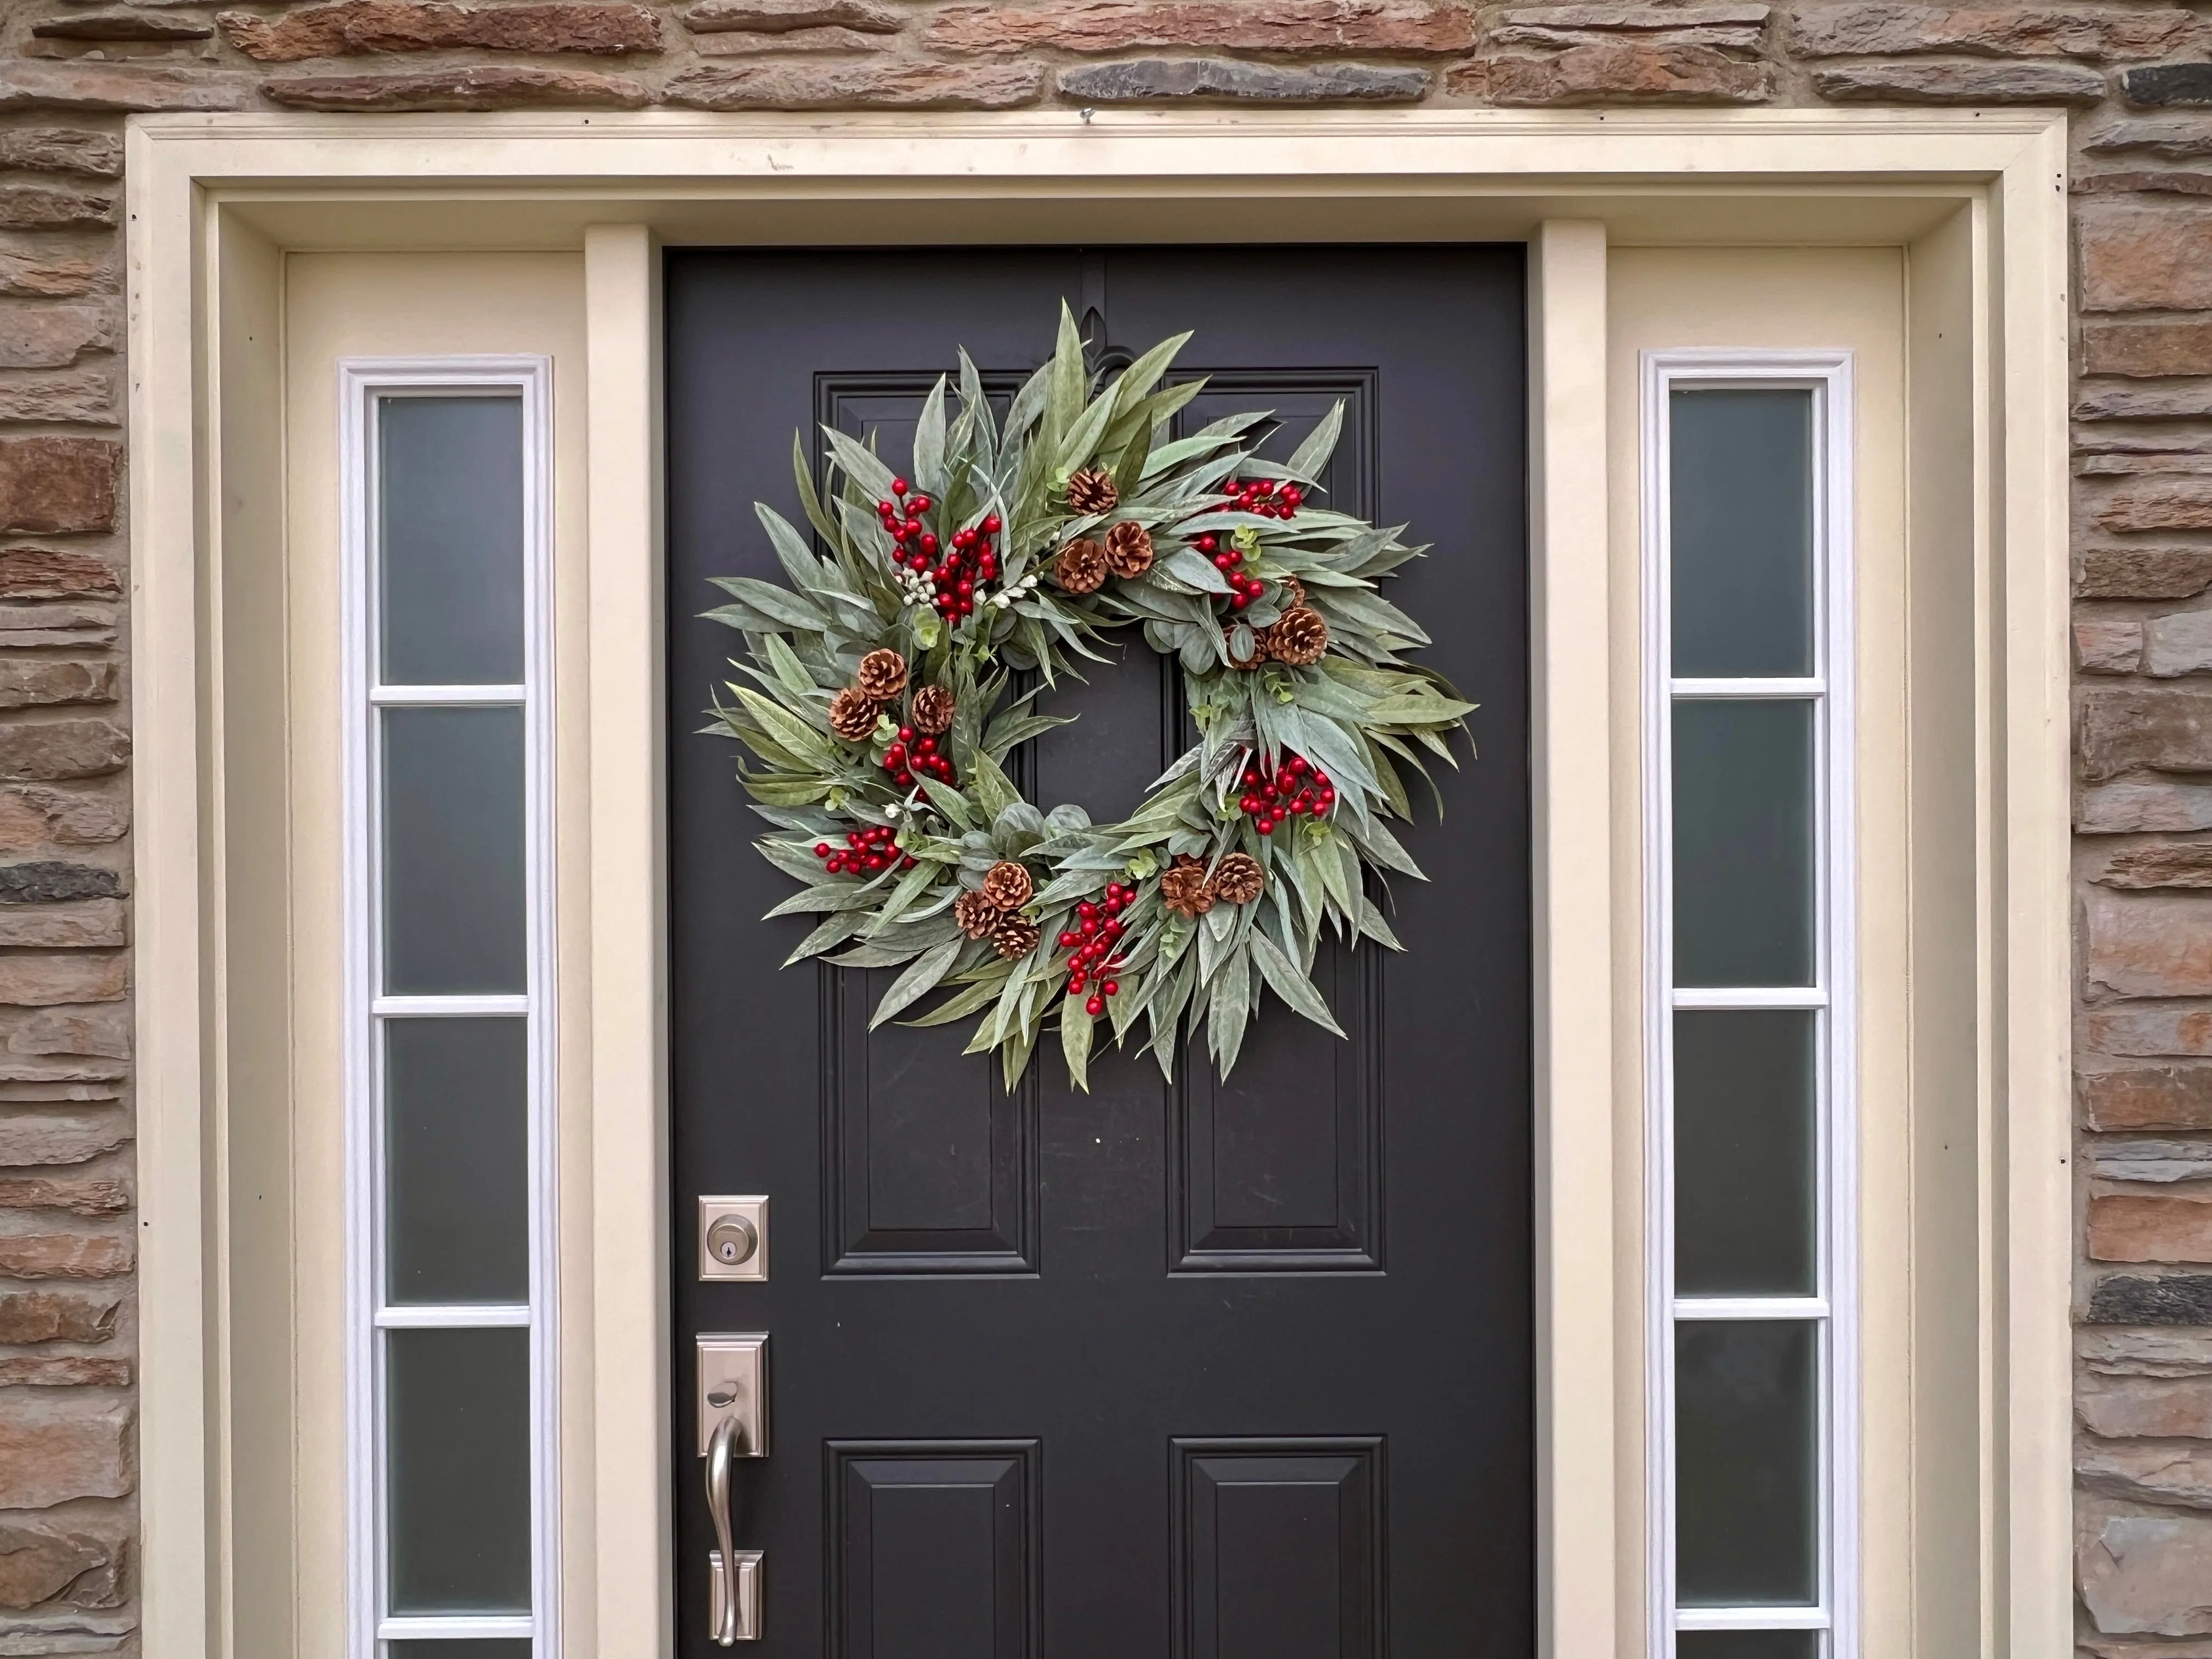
x: 731, y: 1241
x: 733, y: 1238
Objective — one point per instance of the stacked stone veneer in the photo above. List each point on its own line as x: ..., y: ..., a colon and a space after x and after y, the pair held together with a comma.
x: 2138, y: 77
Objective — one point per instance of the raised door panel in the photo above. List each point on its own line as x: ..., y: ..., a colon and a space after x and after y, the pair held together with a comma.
x: 1279, y: 1548
x: 930, y: 1163
x: 934, y: 1549
x: 1279, y: 1167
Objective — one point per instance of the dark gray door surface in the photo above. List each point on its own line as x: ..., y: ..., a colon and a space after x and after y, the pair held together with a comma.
x: 1229, y: 1370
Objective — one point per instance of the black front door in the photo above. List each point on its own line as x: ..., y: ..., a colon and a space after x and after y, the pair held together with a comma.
x: 1232, y: 1370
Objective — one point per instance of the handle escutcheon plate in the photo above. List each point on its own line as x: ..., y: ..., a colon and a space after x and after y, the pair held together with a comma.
x: 733, y: 1382
x: 745, y: 1605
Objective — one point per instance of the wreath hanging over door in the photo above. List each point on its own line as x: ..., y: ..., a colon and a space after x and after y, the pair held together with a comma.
x: 884, y: 706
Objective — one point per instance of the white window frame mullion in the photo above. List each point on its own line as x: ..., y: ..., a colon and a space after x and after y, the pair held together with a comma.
x: 446, y: 696
x: 1834, y: 1312
x: 362, y: 383
x: 425, y: 1627
x: 1687, y: 1619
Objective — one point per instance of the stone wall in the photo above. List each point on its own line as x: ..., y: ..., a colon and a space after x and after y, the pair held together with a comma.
x: 2136, y: 76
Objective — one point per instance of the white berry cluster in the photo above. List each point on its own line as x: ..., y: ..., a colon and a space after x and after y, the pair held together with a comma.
x: 920, y: 590
x: 1006, y: 596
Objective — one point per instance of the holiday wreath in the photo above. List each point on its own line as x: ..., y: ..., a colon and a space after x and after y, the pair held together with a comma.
x: 887, y: 704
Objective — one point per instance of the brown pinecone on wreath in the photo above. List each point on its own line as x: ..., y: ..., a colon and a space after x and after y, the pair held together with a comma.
x: 977, y: 914
x: 1080, y: 568
x: 1297, y: 591
x: 1238, y: 880
x: 1007, y: 885
x: 1129, y: 550
x: 853, y: 715
x: 933, y: 710
x: 1300, y: 638
x: 882, y: 675
x: 1092, y: 491
x: 1259, y: 647
x: 1183, y: 890
x: 1015, y: 937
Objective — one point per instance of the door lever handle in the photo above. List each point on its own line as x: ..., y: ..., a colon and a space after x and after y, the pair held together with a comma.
x: 734, y: 1576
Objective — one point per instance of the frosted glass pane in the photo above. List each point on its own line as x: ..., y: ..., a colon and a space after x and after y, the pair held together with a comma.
x: 1744, y: 1170
x: 457, y: 1160
x: 1743, y: 842
x: 450, y: 510
x: 1746, y: 1472
x: 509, y: 1647
x: 1747, y: 1644
x: 457, y: 1423
x: 1742, y: 484
x: 453, y: 850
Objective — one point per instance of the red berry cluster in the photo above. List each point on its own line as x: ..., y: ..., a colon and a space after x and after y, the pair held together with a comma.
x: 864, y: 852
x: 1225, y: 560
x: 911, y: 754
x: 1092, y: 942
x: 1268, y: 502
x: 1297, y: 786
x: 954, y: 573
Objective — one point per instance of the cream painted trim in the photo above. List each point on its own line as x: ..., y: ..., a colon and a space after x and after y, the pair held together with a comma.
x: 630, y: 906
x: 182, y: 1403
x: 199, y: 185
x: 1572, y: 791
x: 2034, y: 924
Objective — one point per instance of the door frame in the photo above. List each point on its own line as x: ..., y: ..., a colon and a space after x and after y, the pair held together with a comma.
x: 215, y: 203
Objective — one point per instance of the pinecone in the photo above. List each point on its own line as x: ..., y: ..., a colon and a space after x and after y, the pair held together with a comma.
x: 933, y: 710
x: 1080, y: 568
x: 1259, y: 647
x: 1092, y: 491
x: 1297, y: 591
x: 853, y: 715
x: 1129, y: 550
x: 1182, y: 889
x: 1238, y: 880
x: 1007, y: 885
x: 1015, y: 935
x: 1300, y: 638
x: 882, y: 675
x: 977, y: 914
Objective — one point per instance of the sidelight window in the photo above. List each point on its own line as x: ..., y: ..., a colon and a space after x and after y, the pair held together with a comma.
x: 449, y: 1026
x: 1749, y: 1025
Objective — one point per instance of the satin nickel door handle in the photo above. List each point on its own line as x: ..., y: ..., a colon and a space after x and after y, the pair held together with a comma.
x: 732, y: 1387
x: 734, y: 1576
